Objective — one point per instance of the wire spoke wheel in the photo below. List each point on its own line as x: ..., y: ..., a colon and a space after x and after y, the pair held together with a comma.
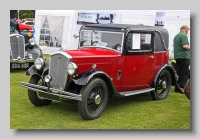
x: 94, y: 99
x: 162, y: 86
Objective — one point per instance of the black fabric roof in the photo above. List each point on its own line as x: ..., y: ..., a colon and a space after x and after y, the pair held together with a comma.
x: 126, y: 26
x: 161, y: 32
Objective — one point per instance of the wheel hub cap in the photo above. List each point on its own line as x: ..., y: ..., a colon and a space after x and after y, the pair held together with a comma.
x: 97, y: 99
x: 164, y: 84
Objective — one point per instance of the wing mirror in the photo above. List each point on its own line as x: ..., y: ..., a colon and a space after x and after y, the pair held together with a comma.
x: 75, y: 36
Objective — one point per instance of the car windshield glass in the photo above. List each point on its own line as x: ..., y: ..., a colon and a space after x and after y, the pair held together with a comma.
x: 107, y: 39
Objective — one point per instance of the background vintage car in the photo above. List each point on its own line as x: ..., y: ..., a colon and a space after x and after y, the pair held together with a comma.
x: 30, y: 23
x: 23, y: 55
x: 24, y: 27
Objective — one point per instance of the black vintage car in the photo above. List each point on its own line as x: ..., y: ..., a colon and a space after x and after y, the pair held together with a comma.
x: 23, y: 55
x: 23, y: 49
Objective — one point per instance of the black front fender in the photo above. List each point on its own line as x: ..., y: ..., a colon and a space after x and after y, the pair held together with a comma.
x: 85, y: 77
x: 34, y: 49
x: 33, y: 71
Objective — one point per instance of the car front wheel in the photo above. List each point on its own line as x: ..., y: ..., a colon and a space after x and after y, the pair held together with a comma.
x: 162, y: 87
x: 94, y: 99
x: 33, y: 95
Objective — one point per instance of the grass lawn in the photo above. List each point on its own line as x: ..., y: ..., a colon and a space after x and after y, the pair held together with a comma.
x: 134, y: 112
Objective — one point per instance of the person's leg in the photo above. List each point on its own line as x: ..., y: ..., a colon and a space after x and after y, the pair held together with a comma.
x: 178, y: 68
x: 183, y: 72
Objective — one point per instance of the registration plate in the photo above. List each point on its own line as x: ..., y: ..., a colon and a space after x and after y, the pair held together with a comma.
x: 20, y: 65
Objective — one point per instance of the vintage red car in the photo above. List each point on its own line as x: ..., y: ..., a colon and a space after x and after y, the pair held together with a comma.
x: 24, y: 27
x: 111, y: 59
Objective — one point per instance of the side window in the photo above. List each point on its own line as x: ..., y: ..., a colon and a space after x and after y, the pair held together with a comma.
x: 139, y: 42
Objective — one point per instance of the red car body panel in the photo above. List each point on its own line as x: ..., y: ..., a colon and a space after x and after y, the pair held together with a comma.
x: 104, y: 59
x: 140, y: 66
x: 25, y: 27
x: 110, y: 62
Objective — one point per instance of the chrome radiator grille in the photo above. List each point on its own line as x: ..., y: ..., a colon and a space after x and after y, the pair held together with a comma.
x: 17, y: 45
x: 58, y: 70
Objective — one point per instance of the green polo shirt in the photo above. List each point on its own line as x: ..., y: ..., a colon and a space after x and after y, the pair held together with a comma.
x: 179, y: 40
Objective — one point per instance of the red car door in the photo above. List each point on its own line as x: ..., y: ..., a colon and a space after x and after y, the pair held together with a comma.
x: 140, y: 63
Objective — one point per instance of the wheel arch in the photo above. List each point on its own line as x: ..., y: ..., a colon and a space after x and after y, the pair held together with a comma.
x: 86, y: 77
x: 162, y: 85
x: 172, y: 74
x: 32, y: 71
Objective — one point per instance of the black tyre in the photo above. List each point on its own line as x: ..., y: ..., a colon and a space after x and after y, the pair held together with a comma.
x: 95, y: 97
x: 33, y: 95
x: 162, y: 87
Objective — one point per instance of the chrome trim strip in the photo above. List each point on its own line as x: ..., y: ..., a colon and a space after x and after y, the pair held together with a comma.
x: 11, y: 35
x: 62, y: 53
x: 100, y: 47
x: 130, y: 93
x: 34, y: 85
x: 52, y: 91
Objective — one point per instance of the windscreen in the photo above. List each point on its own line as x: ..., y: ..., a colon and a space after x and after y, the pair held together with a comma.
x: 112, y: 40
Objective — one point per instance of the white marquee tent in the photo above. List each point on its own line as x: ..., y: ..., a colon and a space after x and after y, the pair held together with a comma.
x: 63, y: 24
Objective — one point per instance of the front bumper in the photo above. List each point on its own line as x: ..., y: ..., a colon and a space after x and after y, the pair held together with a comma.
x: 22, y: 61
x: 51, y: 93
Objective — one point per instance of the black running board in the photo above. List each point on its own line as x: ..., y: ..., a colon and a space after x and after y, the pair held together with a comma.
x: 135, y: 92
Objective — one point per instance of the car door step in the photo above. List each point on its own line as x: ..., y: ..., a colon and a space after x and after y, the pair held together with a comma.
x: 135, y: 92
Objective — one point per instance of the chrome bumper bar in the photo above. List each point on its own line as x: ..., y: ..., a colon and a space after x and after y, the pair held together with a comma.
x: 52, y: 91
x: 21, y: 61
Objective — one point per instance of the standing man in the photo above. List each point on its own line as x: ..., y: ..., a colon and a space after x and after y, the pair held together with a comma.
x: 14, y: 26
x: 97, y: 19
x: 182, y: 57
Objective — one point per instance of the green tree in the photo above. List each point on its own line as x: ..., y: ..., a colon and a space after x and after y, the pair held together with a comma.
x: 23, y: 13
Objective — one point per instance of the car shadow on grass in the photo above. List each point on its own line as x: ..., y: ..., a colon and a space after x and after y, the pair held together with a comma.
x: 18, y: 70
x: 69, y: 108
x: 135, y: 100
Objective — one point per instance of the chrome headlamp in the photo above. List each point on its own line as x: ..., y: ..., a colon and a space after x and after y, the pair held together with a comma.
x: 72, y: 68
x: 30, y: 56
x: 31, y: 41
x: 39, y: 63
x: 47, y: 78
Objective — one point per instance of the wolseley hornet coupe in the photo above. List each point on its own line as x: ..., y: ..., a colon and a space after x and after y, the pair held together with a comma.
x: 111, y: 59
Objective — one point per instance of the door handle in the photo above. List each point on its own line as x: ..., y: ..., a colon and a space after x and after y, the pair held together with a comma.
x: 151, y: 57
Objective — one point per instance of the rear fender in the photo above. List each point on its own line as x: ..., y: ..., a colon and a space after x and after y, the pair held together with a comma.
x: 172, y: 73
